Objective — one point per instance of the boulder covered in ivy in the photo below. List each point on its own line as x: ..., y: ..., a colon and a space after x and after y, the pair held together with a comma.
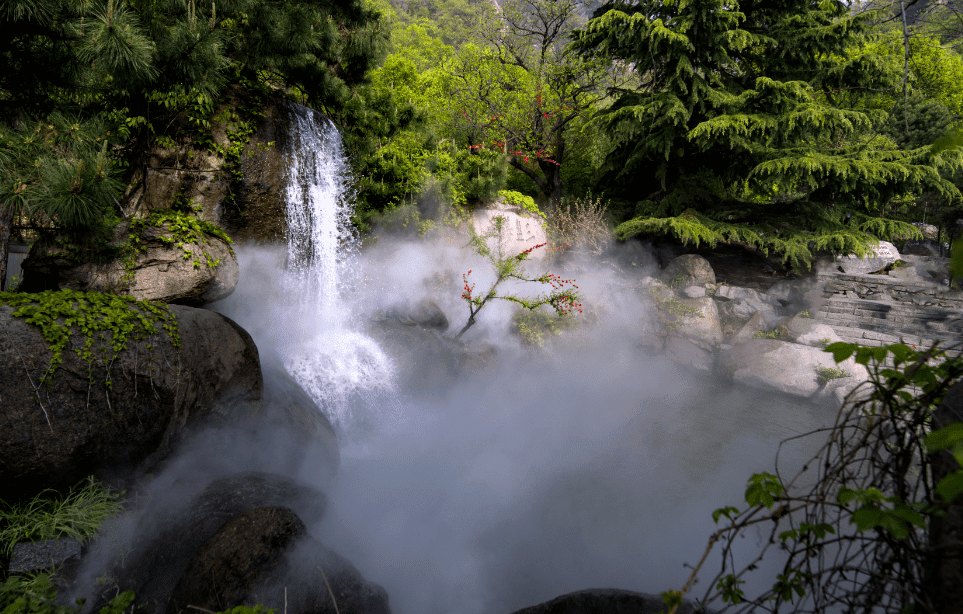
x: 107, y: 385
x: 168, y: 256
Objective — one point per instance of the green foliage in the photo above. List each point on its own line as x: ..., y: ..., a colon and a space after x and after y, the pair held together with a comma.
x: 79, y: 514
x: 37, y: 595
x: 517, y: 198
x: 537, y: 326
x: 105, y: 321
x: 562, y: 299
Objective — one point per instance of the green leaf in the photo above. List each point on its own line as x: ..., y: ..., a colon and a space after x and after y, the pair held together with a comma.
x: 946, y: 437
x: 951, y: 486
x: 841, y: 351
x: 723, y: 511
x: 845, y: 495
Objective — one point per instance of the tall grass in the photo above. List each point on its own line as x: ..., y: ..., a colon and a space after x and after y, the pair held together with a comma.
x: 48, y: 515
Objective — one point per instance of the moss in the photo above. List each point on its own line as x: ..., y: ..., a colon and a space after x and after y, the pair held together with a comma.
x: 106, y: 321
x: 826, y: 374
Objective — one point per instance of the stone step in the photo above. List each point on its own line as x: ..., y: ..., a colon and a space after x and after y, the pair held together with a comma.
x: 935, y: 330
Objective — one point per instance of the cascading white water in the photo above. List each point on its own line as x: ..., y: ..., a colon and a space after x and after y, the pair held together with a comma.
x: 343, y: 370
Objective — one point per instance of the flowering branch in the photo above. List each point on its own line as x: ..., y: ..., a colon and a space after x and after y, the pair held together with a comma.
x: 563, y: 298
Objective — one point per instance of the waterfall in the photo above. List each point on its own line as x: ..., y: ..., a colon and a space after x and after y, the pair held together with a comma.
x: 344, y: 371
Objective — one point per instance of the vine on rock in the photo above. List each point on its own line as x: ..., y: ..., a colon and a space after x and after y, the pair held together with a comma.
x: 564, y: 300
x: 106, y: 321
x: 183, y: 228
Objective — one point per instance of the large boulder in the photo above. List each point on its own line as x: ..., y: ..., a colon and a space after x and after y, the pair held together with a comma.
x: 114, y: 415
x: 688, y: 270
x: 789, y: 368
x: 606, y: 601
x: 192, y: 268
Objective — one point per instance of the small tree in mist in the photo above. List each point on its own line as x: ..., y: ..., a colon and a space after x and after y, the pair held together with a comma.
x: 873, y: 532
x: 563, y: 298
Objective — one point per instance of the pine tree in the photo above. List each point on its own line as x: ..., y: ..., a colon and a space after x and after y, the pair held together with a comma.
x: 743, y: 128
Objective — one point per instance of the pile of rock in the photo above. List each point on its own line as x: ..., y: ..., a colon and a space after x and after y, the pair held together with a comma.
x: 767, y: 340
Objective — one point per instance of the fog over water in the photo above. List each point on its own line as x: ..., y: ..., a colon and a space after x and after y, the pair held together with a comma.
x: 591, y: 465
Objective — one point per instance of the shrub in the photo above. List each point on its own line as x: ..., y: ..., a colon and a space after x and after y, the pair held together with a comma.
x: 580, y: 223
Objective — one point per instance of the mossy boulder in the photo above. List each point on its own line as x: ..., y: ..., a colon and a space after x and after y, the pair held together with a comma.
x: 112, y: 387
x: 168, y: 257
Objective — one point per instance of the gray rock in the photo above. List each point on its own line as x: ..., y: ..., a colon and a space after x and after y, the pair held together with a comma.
x: 810, y: 332
x: 688, y: 270
x: 689, y: 353
x: 424, y: 313
x: 694, y: 318
x: 78, y: 425
x: 878, y: 258
x: 694, y: 291
x: 789, y: 368
x: 755, y: 324
x: 43, y: 556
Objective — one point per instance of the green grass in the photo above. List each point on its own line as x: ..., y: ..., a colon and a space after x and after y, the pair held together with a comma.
x: 79, y: 514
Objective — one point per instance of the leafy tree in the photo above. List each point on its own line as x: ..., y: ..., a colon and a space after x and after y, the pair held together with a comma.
x: 523, y: 94
x: 741, y: 130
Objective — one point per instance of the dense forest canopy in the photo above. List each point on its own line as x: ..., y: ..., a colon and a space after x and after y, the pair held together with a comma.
x: 789, y: 126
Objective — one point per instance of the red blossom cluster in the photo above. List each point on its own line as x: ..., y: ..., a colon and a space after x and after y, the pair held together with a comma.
x: 528, y: 251
x: 566, y: 303
x: 556, y: 281
x: 468, y: 290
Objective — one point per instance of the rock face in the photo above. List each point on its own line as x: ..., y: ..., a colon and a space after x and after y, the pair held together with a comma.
x: 161, y: 271
x: 606, y: 601
x: 58, y: 433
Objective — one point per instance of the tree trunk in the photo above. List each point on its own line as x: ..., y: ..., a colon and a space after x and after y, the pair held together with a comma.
x: 6, y: 225
x: 945, y: 570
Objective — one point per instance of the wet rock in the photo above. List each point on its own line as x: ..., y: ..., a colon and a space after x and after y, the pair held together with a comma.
x: 243, y: 552
x: 44, y: 556
x: 159, y: 542
x: 121, y: 419
x: 424, y: 313
x: 606, y: 601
